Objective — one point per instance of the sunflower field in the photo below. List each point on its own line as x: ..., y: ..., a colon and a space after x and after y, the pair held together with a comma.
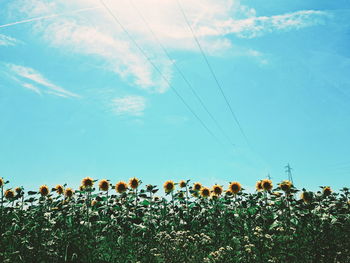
x: 132, y: 222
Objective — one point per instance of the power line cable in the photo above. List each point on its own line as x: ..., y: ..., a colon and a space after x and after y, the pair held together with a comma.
x: 161, y: 74
x: 213, y: 73
x: 181, y: 73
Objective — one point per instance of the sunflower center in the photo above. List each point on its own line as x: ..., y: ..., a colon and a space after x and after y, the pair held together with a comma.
x: 121, y: 187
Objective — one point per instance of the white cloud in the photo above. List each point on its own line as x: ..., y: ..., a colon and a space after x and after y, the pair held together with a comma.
x: 7, y: 41
x: 129, y: 105
x: 95, y: 33
x: 31, y: 87
x: 257, y: 26
x: 36, y: 77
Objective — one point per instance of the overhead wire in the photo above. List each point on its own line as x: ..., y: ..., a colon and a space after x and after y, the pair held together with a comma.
x: 181, y: 73
x: 213, y: 73
x: 160, y: 73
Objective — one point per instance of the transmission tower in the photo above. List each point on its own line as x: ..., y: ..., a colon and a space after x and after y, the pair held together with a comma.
x: 289, y: 173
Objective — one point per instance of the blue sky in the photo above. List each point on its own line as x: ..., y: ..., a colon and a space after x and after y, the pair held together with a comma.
x: 78, y: 98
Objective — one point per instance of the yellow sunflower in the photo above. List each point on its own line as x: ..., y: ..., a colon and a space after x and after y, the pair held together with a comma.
x: 134, y: 182
x: 286, y: 186
x: 182, y: 184
x: 18, y: 190
x: 103, y: 185
x: 266, y: 184
x: 258, y: 186
x: 44, y: 190
x: 87, y: 182
x: 59, y: 189
x: 217, y: 189
x: 121, y: 187
x: 235, y: 187
x: 9, y: 194
x: 205, y: 192
x: 197, y: 186
x: 327, y: 190
x: 69, y: 192
x: 169, y: 186
x: 307, y: 196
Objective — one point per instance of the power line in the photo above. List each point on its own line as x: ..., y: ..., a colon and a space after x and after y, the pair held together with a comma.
x: 181, y: 73
x: 213, y: 73
x: 158, y: 70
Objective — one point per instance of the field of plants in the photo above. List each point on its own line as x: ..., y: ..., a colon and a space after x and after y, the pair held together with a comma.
x: 132, y: 222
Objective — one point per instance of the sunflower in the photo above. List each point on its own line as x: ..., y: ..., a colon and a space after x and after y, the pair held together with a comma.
x: 197, y: 186
x: 1, y: 182
x: 307, y: 196
x: 266, y: 184
x: 87, y: 182
x: 121, y: 187
x: 169, y: 186
x: 180, y: 195
x: 103, y: 185
x: 217, y: 189
x: 44, y: 190
x: 18, y: 190
x: 182, y: 184
x: 327, y: 190
x: 285, y: 186
x: 81, y: 188
x: 69, y: 192
x: 258, y: 186
x: 9, y: 194
x: 134, y: 182
x: 59, y: 189
x: 93, y: 202
x: 205, y: 192
x: 235, y: 187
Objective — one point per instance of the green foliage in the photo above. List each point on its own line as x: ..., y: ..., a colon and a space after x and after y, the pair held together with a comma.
x: 136, y: 226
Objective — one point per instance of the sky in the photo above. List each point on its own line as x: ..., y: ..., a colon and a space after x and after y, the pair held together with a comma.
x: 106, y: 89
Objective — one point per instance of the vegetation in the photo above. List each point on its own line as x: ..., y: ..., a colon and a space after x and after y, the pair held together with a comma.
x: 192, y: 223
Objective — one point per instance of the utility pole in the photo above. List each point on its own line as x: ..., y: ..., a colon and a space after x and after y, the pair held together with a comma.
x: 289, y: 172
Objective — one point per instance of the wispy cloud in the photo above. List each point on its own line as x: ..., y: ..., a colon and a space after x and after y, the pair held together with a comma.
x: 258, y: 26
x: 36, y: 77
x: 97, y: 35
x: 7, y: 41
x: 129, y: 105
x: 31, y: 87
